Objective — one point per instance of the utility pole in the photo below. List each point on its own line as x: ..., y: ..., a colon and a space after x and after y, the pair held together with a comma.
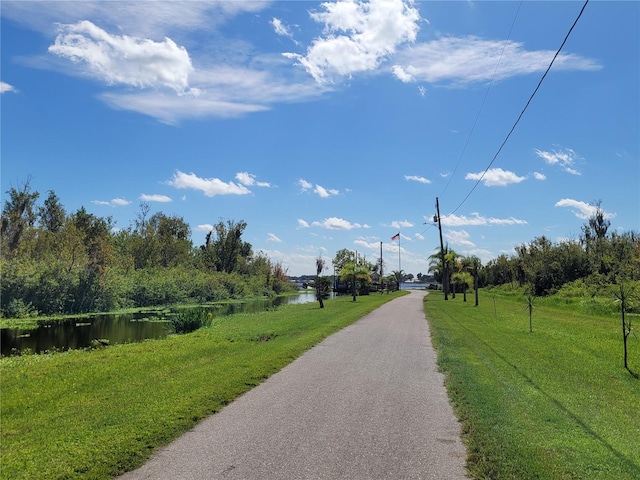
x: 380, y: 282
x: 445, y: 276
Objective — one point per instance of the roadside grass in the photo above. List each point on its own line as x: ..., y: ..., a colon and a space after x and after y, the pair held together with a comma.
x: 97, y: 414
x: 553, y: 404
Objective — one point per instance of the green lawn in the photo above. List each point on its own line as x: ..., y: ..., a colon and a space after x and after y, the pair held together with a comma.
x: 552, y: 404
x: 96, y: 414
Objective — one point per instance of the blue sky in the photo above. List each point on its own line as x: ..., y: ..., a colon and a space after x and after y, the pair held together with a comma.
x: 329, y: 125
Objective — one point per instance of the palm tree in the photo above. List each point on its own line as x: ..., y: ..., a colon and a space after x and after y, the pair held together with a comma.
x: 398, y: 275
x: 318, y: 284
x: 352, y: 273
x: 450, y: 260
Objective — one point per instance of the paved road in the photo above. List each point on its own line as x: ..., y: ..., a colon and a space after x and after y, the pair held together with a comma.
x: 367, y: 403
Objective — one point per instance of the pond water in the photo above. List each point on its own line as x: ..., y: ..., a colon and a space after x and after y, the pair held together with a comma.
x: 124, y: 328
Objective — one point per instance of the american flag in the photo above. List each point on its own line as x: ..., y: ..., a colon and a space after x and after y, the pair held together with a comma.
x: 396, y: 237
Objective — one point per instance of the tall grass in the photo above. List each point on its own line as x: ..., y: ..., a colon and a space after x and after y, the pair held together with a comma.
x: 96, y: 414
x: 190, y: 320
x: 555, y: 403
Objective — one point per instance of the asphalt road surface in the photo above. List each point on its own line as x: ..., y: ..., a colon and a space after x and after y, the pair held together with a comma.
x: 366, y: 403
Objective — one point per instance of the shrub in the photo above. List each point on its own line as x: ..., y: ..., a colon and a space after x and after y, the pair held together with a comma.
x: 16, y: 308
x: 191, y: 320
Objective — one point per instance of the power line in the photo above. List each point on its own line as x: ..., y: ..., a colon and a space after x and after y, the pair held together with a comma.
x: 484, y: 100
x: 523, y: 110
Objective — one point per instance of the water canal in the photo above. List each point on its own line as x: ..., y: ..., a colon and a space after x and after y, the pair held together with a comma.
x: 76, y: 333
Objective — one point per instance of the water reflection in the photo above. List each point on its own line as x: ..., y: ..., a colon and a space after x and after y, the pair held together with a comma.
x: 125, y: 328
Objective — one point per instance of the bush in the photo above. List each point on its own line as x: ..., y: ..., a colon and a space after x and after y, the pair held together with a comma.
x: 16, y: 308
x: 191, y: 320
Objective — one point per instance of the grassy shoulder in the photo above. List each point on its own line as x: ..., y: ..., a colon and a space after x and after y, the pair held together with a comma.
x: 556, y: 403
x: 97, y: 414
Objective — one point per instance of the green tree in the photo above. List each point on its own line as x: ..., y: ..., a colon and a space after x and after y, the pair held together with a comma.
x: 342, y: 257
x: 172, y: 235
x: 594, y: 238
x: 96, y: 238
x: 624, y: 295
x: 500, y: 271
x: 450, y: 267
x: 322, y: 284
x: 227, y: 250
x: 280, y: 278
x: 442, y: 270
x: 436, y: 268
x: 397, y: 275
x: 18, y: 216
x: 52, y: 215
x: 354, y: 273
x: 476, y: 265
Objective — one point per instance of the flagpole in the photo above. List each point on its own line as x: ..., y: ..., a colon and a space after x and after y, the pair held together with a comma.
x: 399, y: 264
x: 397, y: 236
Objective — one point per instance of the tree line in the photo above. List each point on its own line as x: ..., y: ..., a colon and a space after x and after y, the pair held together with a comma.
x: 593, y: 265
x: 54, y: 262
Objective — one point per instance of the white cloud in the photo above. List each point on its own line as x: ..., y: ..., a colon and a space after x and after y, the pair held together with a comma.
x: 324, y: 193
x: 170, y: 87
x: 302, y: 223
x: 581, y: 209
x: 249, y: 180
x: 318, y: 189
x: 115, y: 202
x: 402, y: 74
x: 565, y: 159
x: 121, y: 59
x: 459, y: 237
x: 398, y: 224
x: 495, y: 177
x: 334, y: 223
x: 477, y: 220
x: 5, y: 87
x: 416, y: 178
x: 300, y: 262
x: 281, y: 29
x: 272, y: 237
x: 464, y: 60
x: 390, y: 248
x: 304, y: 185
x: 539, y: 176
x: 209, y: 186
x: 224, y: 91
x: 155, y: 198
x: 170, y: 109
x: 358, y: 36
x: 135, y: 17
x: 205, y: 227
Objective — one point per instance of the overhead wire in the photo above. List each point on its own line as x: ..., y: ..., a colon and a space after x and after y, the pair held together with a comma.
x: 575, y: 22
x: 484, y: 100
x: 564, y: 41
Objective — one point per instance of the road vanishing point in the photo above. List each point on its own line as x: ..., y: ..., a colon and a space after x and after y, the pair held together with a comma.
x: 366, y: 403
